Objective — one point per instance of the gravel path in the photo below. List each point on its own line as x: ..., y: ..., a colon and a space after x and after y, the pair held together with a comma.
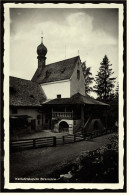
x: 43, y: 161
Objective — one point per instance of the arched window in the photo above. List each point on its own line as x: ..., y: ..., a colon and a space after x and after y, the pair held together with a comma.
x: 63, y: 127
x: 78, y: 74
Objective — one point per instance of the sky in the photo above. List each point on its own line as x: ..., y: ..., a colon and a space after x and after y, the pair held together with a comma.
x: 89, y: 32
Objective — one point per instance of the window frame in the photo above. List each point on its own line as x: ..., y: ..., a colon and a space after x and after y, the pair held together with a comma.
x: 78, y: 74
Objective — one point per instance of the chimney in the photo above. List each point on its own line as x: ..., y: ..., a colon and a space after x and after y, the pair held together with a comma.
x: 59, y: 96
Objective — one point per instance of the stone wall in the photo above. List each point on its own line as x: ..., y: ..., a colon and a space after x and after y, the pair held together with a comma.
x: 69, y: 122
x: 72, y: 125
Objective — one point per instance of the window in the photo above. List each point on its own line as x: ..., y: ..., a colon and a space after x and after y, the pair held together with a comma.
x: 46, y: 121
x: 62, y: 71
x: 12, y: 90
x: 59, y: 96
x: 48, y: 73
x: 14, y: 110
x: 38, y: 122
x: 31, y: 96
x: 74, y: 122
x: 78, y: 74
x: 47, y: 118
x: 38, y: 117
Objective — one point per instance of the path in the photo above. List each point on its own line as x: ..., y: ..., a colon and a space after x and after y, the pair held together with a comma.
x: 44, y: 133
x: 41, y: 162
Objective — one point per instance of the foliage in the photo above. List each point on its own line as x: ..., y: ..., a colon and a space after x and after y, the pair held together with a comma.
x: 98, y: 166
x: 104, y: 80
x: 88, y: 78
x: 116, y: 96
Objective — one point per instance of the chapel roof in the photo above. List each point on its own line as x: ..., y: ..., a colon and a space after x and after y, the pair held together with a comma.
x: 25, y: 93
x: 56, y: 71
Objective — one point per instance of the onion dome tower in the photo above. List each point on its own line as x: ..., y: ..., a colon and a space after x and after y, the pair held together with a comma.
x: 41, y: 51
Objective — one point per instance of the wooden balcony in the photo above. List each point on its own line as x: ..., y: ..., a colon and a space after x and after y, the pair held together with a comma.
x: 62, y: 115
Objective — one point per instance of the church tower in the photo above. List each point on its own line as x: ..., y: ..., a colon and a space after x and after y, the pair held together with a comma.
x: 41, y: 51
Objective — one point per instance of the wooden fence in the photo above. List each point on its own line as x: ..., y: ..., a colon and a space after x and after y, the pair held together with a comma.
x: 51, y: 141
x: 43, y: 141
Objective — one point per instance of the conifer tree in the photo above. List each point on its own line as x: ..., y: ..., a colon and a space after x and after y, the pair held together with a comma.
x: 117, y: 92
x: 104, y: 80
x: 88, y: 77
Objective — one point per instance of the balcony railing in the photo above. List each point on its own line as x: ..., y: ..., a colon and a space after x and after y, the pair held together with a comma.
x: 64, y: 115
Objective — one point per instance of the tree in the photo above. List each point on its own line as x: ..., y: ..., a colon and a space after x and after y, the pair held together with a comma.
x: 116, y: 94
x: 104, y: 80
x: 88, y: 77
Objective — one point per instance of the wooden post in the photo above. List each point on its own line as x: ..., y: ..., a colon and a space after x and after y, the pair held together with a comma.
x: 82, y: 115
x: 106, y: 118
x: 84, y: 135
x: 63, y: 137
x: 72, y: 114
x: 54, y: 141
x: 74, y: 138
x: 11, y: 147
x: 51, y: 118
x: 34, y: 143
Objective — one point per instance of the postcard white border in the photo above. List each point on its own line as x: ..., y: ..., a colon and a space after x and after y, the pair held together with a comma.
x: 9, y: 185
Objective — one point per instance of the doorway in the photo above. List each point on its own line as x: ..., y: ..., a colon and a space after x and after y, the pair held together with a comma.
x: 33, y: 124
x: 63, y: 127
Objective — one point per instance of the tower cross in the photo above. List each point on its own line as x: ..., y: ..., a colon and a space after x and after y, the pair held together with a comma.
x: 42, y: 37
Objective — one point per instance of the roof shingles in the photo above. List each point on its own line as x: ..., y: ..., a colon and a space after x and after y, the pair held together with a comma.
x: 57, y: 71
x: 77, y: 99
x: 25, y: 93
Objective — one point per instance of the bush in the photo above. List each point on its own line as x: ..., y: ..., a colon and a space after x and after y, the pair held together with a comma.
x: 98, y: 166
